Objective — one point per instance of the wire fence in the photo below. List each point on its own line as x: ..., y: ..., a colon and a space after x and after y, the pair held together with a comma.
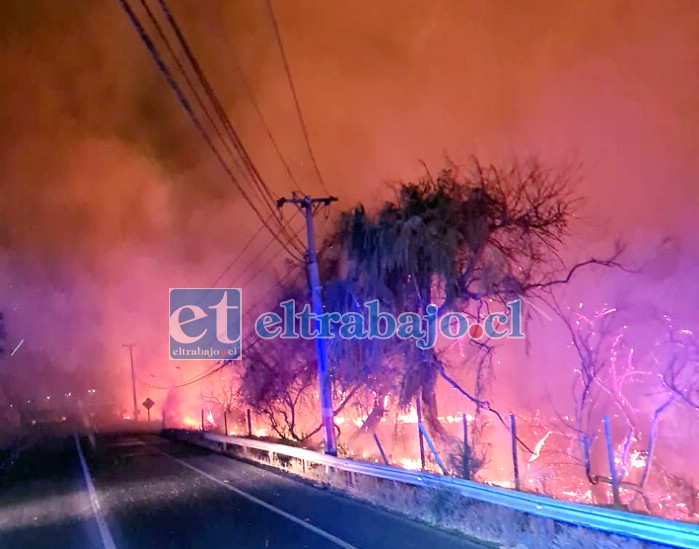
x: 489, y: 452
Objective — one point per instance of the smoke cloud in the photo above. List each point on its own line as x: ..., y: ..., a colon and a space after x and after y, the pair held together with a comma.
x: 109, y: 196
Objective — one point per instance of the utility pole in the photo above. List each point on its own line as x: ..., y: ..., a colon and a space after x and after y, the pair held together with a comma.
x: 308, y: 205
x: 130, y: 346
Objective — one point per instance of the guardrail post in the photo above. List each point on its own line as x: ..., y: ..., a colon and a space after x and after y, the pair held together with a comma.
x: 515, y: 465
x: 418, y: 409
x: 432, y: 448
x: 612, y: 466
x: 466, y: 458
x: 249, y: 423
x: 383, y: 454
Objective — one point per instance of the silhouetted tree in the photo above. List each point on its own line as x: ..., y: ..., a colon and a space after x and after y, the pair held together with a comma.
x: 463, y: 241
x: 224, y: 395
x: 634, y: 387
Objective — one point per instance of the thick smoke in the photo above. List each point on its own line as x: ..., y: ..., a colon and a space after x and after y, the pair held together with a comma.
x: 109, y: 197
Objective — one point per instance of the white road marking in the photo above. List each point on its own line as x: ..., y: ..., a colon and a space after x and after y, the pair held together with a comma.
x: 337, y: 541
x: 105, y: 534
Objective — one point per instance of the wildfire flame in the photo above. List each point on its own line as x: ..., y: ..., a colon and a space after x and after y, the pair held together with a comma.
x: 359, y: 421
x: 410, y: 464
x: 190, y: 422
x: 538, y: 447
x: 410, y: 417
x: 638, y: 459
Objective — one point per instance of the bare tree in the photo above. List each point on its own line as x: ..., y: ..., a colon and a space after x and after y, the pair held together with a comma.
x: 613, y: 380
x: 224, y: 395
x: 466, y: 242
x: 279, y: 383
x: 680, y: 375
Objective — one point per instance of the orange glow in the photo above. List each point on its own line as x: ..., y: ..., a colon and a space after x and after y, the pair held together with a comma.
x: 190, y: 423
x: 601, y: 90
x: 410, y: 417
x: 410, y: 464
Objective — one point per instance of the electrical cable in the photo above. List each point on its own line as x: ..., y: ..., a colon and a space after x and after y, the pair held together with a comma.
x: 188, y: 108
x: 218, y: 107
x: 290, y: 80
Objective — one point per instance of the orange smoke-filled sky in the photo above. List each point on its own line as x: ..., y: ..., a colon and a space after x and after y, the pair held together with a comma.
x: 110, y: 197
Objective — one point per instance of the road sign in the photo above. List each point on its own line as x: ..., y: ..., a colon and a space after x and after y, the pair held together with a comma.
x: 148, y: 404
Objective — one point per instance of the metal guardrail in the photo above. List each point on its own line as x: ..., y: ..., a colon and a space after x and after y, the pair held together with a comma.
x: 653, y: 529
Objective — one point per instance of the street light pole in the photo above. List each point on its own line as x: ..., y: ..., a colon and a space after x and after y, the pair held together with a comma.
x: 130, y: 346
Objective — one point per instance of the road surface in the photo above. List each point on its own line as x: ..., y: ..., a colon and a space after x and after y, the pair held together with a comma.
x: 151, y: 492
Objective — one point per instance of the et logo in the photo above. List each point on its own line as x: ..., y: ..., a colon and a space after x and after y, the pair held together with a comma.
x: 205, y: 323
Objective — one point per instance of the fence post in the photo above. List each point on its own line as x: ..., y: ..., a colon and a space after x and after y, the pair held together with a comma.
x: 515, y: 465
x: 432, y: 448
x: 418, y: 410
x: 612, y: 466
x: 466, y: 458
x: 249, y: 423
x: 383, y: 454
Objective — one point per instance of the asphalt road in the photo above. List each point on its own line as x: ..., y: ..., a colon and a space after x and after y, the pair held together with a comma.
x: 43, y: 502
x: 155, y: 493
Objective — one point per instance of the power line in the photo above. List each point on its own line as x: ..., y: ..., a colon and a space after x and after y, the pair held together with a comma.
x: 193, y: 89
x: 268, y: 131
x: 262, y: 268
x: 218, y: 107
x: 274, y: 287
x: 290, y: 79
x: 236, y: 258
x: 240, y: 254
x: 215, y: 368
x: 259, y: 254
x: 285, y: 277
x: 230, y: 265
x: 260, y: 300
x: 221, y: 364
x: 188, y: 108
x: 220, y: 111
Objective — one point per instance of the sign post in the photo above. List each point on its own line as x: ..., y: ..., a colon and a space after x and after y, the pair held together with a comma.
x: 148, y: 404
